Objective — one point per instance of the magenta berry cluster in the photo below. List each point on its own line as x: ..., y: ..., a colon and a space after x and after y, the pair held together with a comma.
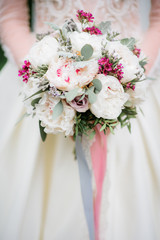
x: 107, y: 68
x: 130, y: 85
x: 84, y: 16
x: 137, y: 51
x: 92, y: 30
x: 25, y: 71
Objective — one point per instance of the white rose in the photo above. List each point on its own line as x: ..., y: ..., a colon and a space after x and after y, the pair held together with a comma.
x: 78, y: 40
x: 111, y: 98
x: 129, y: 61
x: 43, y: 51
x: 67, y: 74
x: 64, y: 123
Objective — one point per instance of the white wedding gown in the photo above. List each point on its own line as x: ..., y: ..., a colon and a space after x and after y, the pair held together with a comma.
x: 40, y: 197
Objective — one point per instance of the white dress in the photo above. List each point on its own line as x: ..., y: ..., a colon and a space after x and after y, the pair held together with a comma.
x: 40, y: 195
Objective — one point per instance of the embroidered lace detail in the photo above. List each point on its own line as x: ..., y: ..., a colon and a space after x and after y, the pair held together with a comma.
x: 120, y: 12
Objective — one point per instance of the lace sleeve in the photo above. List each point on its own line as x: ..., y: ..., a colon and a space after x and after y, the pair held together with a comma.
x: 15, y: 33
x: 151, y: 42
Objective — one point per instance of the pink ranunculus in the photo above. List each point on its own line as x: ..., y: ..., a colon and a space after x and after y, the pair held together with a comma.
x: 80, y: 105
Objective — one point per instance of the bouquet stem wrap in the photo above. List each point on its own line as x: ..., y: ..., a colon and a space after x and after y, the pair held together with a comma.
x: 92, y: 203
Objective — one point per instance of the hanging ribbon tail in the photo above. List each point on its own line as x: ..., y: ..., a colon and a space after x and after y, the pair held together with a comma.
x: 86, y: 187
x: 98, y: 155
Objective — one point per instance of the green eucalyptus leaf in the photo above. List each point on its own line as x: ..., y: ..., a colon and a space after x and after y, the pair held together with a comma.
x: 129, y: 42
x: 52, y: 25
x: 98, y: 85
x: 57, y: 111
x: 104, y: 26
x: 71, y: 94
x: 92, y: 97
x: 35, y: 101
x: 87, y: 51
x: 42, y: 132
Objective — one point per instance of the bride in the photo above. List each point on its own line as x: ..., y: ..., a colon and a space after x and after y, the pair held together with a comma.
x: 40, y: 195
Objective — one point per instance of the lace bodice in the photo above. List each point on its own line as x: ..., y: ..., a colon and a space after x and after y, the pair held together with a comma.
x: 124, y: 14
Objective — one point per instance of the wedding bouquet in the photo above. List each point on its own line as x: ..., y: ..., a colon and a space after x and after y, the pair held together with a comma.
x: 80, y: 75
x: 79, y: 78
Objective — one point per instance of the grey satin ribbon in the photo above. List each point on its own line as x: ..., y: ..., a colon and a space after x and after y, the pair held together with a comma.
x: 86, y: 187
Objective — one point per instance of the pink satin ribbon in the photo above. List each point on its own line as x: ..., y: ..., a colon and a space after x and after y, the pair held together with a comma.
x: 98, y: 155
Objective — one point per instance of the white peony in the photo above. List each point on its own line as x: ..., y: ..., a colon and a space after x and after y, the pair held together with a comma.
x: 64, y: 123
x: 111, y: 98
x: 78, y: 40
x: 137, y: 96
x: 43, y: 51
x: 67, y: 74
x: 129, y: 61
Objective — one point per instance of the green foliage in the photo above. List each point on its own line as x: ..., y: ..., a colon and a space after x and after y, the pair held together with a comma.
x: 91, y: 95
x: 104, y: 26
x: 57, y: 111
x: 129, y: 42
x: 53, y: 26
x: 85, y: 123
x: 97, y: 84
x: 112, y: 36
x: 143, y: 62
x: 71, y: 94
x: 40, y: 71
x: 42, y: 132
x: 35, y: 101
x: 125, y: 116
x: 87, y: 51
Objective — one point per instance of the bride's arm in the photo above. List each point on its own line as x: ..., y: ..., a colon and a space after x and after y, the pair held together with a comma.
x: 15, y: 33
x: 151, y: 42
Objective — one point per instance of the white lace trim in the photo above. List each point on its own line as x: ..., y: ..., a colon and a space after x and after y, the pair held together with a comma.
x: 120, y: 12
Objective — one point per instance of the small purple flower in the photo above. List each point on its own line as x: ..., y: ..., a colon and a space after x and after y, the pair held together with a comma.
x: 80, y: 105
